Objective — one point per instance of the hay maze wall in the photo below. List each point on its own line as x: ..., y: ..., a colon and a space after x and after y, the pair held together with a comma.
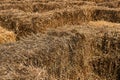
x: 59, y: 39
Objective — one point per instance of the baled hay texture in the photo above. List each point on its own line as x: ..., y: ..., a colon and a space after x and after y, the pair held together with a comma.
x: 37, y: 73
x: 26, y: 23
x: 105, y: 51
x: 44, y: 7
x: 20, y: 6
x: 113, y: 4
x: 64, y: 53
x: 107, y: 42
x: 100, y: 1
x: 41, y: 6
x: 106, y: 14
x: 106, y: 67
x: 6, y: 36
x: 103, y: 23
x: 106, y: 59
x: 61, y: 52
x: 31, y: 7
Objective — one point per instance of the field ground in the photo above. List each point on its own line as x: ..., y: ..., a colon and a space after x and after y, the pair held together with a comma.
x: 59, y: 39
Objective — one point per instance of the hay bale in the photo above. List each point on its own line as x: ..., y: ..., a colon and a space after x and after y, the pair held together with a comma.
x: 41, y: 54
x: 105, y: 60
x: 24, y: 24
x: 65, y: 53
x: 36, y: 6
x: 6, y: 36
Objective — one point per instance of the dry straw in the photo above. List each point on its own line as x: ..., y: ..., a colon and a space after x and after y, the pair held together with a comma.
x: 25, y: 23
x: 83, y: 52
x: 6, y: 36
x: 72, y: 52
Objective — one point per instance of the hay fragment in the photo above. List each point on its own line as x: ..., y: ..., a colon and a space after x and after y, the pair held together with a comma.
x: 6, y: 36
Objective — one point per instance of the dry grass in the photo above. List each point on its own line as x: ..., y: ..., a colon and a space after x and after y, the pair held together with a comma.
x: 29, y: 6
x: 113, y: 4
x: 100, y: 1
x: 43, y: 54
x: 103, y: 23
x: 65, y: 53
x: 59, y: 40
x: 26, y: 23
x: 6, y: 36
x: 107, y: 67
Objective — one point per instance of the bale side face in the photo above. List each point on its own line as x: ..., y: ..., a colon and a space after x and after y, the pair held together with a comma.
x: 64, y: 53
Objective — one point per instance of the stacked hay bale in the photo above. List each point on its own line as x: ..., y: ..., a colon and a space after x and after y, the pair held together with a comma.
x: 26, y: 23
x: 84, y: 52
x: 72, y: 52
